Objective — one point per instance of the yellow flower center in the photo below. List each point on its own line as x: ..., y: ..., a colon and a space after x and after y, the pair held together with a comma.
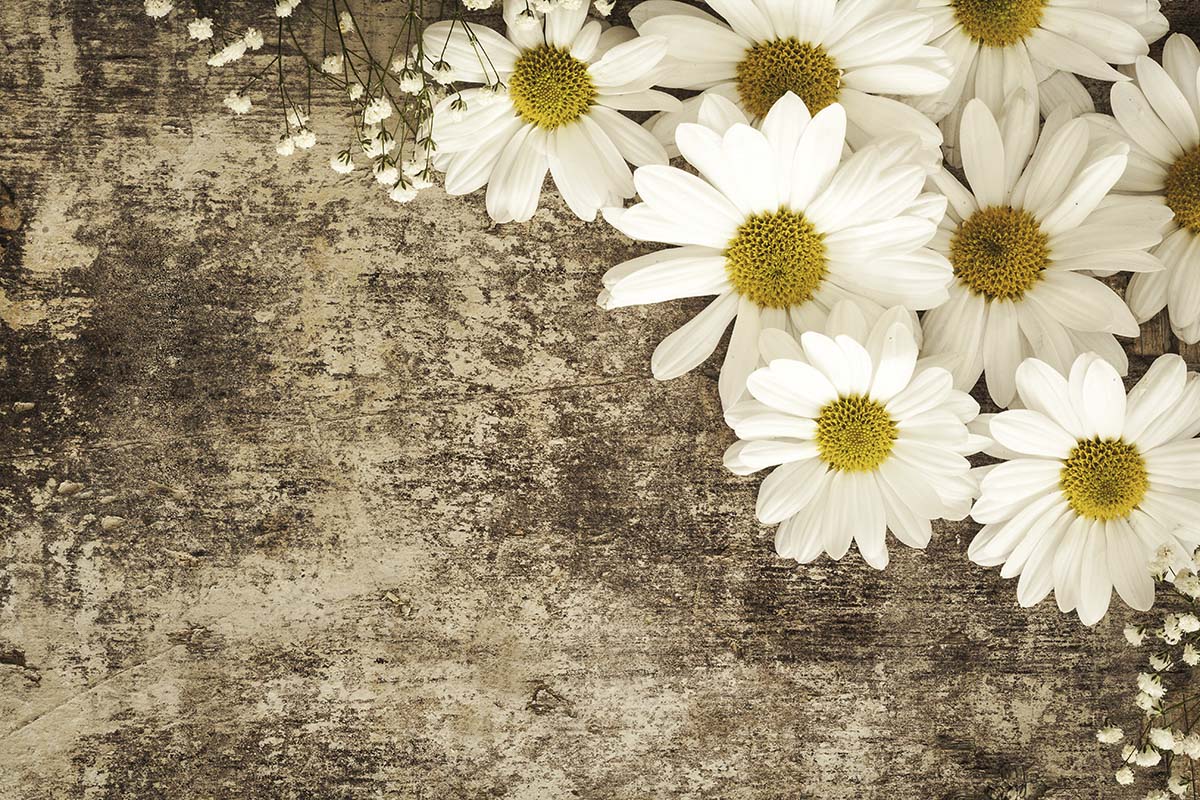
x: 549, y: 87
x: 776, y: 259
x: 999, y: 252
x: 771, y: 69
x: 1104, y: 479
x: 1183, y: 190
x: 998, y: 23
x: 855, y: 434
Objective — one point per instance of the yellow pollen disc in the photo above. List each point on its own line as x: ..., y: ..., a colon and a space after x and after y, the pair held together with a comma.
x: 771, y: 69
x: 549, y: 87
x: 776, y: 259
x: 998, y: 23
x: 855, y: 434
x: 1104, y: 479
x: 999, y: 252
x: 1183, y: 190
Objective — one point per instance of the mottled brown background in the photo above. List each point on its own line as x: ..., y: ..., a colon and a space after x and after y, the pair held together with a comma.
x: 307, y: 495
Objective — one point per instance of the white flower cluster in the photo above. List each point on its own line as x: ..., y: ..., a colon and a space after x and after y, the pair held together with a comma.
x: 303, y: 138
x: 1169, y: 731
x: 376, y: 123
x: 252, y: 39
x: 401, y: 179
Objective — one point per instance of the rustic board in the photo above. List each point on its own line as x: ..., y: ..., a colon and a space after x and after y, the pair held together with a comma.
x: 307, y: 495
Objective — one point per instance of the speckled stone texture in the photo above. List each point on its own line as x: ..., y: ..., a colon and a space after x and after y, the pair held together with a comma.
x: 307, y: 495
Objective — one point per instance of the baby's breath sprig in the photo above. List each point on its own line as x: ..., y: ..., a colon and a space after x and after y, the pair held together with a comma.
x: 1167, y: 736
x: 389, y: 91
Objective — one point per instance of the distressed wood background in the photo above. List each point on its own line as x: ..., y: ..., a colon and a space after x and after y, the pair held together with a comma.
x: 307, y: 495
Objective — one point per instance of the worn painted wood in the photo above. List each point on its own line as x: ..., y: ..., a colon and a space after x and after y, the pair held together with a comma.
x: 306, y: 495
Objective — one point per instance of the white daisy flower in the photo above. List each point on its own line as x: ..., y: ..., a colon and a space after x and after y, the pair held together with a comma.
x: 779, y: 229
x: 1036, y: 217
x: 1095, y: 483
x: 567, y: 81
x: 998, y: 46
x: 851, y: 52
x: 1158, y: 114
x: 865, y: 437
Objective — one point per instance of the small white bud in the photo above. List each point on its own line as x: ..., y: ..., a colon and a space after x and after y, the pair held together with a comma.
x: 158, y: 8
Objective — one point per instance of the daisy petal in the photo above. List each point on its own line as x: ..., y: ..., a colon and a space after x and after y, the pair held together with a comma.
x: 694, y: 39
x: 1104, y: 411
x: 1031, y: 433
x: 1010, y: 485
x: 983, y: 154
x: 903, y: 520
x: 792, y: 387
x: 1044, y: 389
x: 626, y: 62
x: 1128, y: 565
x: 896, y: 362
x: 788, y: 489
x: 870, y: 523
x: 687, y: 347
x: 1095, y: 583
x: 820, y: 151
x: 636, y: 144
x: 1157, y: 392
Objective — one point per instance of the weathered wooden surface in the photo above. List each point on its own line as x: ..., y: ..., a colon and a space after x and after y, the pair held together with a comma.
x: 374, y: 502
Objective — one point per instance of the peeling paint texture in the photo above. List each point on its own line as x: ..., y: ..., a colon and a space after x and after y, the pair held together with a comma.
x: 304, y: 494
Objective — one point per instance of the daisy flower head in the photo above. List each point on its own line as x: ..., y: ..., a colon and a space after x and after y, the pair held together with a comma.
x: 1094, y: 484
x: 567, y: 82
x: 862, y: 436
x: 855, y: 52
x: 1036, y: 217
x: 1158, y: 115
x: 998, y: 46
x: 780, y: 229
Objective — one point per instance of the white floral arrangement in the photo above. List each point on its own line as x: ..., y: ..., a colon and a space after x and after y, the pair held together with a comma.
x: 1166, y: 738
x: 887, y: 202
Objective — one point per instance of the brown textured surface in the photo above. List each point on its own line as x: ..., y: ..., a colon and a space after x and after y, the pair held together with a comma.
x: 373, y: 502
